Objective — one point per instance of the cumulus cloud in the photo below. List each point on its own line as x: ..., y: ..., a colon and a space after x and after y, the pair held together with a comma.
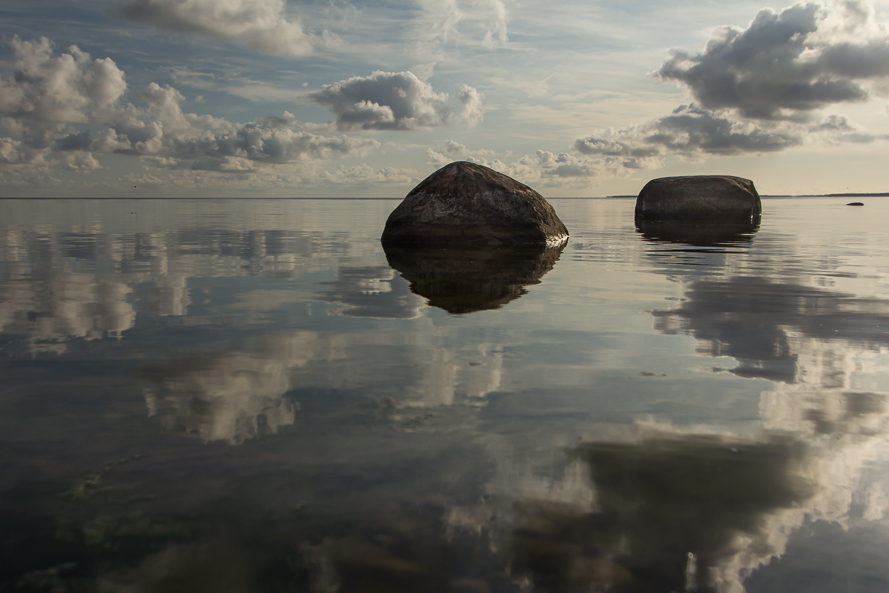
x: 69, y: 88
x: 785, y: 65
x: 758, y: 90
x: 47, y: 100
x: 395, y: 101
x: 261, y: 25
x: 213, y: 144
x: 472, y: 104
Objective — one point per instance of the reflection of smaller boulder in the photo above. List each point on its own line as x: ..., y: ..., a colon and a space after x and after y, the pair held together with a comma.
x: 710, y: 198
x: 466, y: 280
x: 698, y: 234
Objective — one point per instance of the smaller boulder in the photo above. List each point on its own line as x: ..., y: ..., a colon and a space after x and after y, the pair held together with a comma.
x: 467, y: 205
x: 699, y: 198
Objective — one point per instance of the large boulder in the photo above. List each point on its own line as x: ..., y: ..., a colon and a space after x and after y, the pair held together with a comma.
x: 468, y: 205
x: 700, y: 198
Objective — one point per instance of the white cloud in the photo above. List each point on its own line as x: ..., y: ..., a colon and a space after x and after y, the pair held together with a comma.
x: 484, y: 22
x: 364, y: 175
x: 14, y: 152
x: 261, y: 25
x: 436, y: 159
x: 472, y: 105
x: 456, y: 149
x: 567, y: 165
x: 68, y: 88
x: 215, y: 144
x: 395, y: 101
x: 46, y: 96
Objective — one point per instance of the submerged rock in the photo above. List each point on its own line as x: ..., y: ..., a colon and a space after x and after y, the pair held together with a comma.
x: 699, y: 198
x: 467, y: 205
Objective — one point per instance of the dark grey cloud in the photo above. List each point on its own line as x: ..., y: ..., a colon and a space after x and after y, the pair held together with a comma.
x: 77, y: 141
x: 690, y: 131
x: 756, y: 89
x: 785, y: 65
x: 395, y: 101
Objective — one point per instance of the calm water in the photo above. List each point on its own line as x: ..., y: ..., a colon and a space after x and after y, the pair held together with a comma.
x: 252, y: 396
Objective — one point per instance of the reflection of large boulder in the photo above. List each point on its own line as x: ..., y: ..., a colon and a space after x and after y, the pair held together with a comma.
x: 467, y: 280
x: 465, y: 204
x: 699, y: 198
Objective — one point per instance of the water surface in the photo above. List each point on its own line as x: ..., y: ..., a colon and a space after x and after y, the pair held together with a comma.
x: 251, y: 395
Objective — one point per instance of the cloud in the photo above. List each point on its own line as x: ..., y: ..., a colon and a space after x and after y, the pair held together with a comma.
x: 472, y: 105
x: 48, y: 99
x: 566, y: 165
x: 14, y: 152
x: 456, y: 149
x: 216, y: 144
x: 69, y: 88
x: 364, y: 175
x: 395, y: 101
x: 261, y: 25
x: 757, y: 90
x: 785, y: 65
x: 691, y: 132
x: 483, y: 21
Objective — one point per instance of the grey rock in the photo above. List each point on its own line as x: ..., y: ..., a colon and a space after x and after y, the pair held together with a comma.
x: 699, y: 198
x: 467, y: 205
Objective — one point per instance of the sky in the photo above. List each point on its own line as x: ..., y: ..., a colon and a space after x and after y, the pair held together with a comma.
x: 365, y: 98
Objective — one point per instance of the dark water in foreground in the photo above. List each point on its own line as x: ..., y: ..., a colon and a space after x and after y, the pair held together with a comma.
x: 246, y: 396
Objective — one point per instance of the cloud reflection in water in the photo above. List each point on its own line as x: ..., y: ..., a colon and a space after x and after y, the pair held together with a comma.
x: 230, y: 396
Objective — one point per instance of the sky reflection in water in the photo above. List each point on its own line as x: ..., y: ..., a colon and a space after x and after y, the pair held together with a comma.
x: 254, y: 396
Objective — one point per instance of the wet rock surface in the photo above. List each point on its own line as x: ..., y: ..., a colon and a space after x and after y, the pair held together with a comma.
x: 699, y: 198
x: 467, y: 205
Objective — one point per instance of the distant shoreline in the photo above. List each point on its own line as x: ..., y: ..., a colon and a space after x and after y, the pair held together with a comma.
x: 615, y: 197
